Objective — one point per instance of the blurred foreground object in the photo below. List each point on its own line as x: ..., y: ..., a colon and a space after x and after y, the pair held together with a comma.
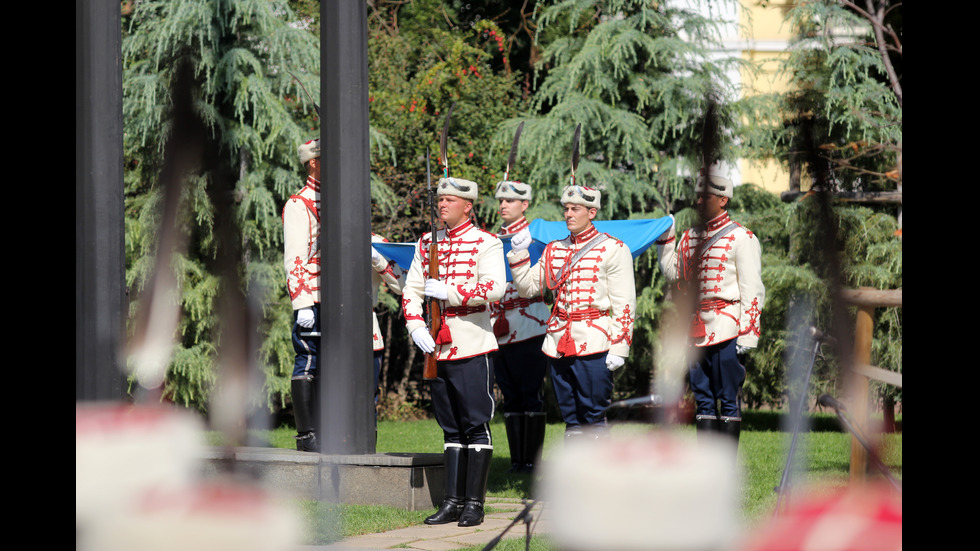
x: 137, y: 486
x: 647, y: 492
x: 211, y: 516
x: 859, y: 518
x: 123, y: 450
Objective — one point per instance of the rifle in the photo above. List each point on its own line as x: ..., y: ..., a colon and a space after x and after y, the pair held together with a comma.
x: 435, y: 311
x: 429, y: 371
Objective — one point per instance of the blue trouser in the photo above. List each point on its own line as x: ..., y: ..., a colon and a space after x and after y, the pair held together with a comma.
x: 716, y: 381
x: 583, y: 387
x: 305, y: 346
x: 519, y: 369
x: 462, y: 398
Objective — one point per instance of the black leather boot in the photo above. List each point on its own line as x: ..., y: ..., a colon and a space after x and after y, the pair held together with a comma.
x: 706, y: 424
x: 514, y: 423
x: 305, y: 412
x: 477, y: 472
x: 731, y: 426
x: 534, y: 426
x: 454, y: 461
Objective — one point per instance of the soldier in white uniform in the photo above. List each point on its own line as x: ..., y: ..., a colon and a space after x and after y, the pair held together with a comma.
x: 520, y: 365
x: 301, y: 231
x: 725, y: 259
x: 387, y: 272
x: 471, y: 277
x: 590, y: 328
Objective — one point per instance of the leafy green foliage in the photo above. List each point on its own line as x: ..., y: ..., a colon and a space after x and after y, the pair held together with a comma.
x: 794, y: 270
x: 637, y: 76
x: 841, y: 101
x: 240, y: 52
x: 843, y: 115
x: 417, y: 70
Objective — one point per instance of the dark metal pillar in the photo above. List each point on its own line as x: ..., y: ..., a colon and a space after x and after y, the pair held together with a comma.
x: 99, y: 235
x: 347, y: 396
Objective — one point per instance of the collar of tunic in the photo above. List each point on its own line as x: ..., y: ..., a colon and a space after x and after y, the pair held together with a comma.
x: 460, y: 229
x: 515, y: 227
x: 718, y: 222
x: 584, y: 236
x: 313, y: 183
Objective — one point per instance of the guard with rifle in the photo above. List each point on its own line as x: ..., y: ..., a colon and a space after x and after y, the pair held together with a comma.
x: 718, y: 263
x: 301, y: 232
x: 460, y: 269
x: 519, y: 325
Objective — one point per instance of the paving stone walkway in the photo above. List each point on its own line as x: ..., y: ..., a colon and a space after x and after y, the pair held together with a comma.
x: 448, y: 537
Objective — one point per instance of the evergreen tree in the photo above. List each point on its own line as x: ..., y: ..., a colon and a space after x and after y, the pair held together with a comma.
x: 845, y: 98
x: 795, y: 271
x: 842, y: 117
x: 638, y: 76
x: 241, y: 52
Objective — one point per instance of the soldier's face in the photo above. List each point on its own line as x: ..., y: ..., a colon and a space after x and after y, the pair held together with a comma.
x: 578, y: 217
x: 710, y: 205
x: 512, y: 209
x: 453, y: 210
x: 314, y: 167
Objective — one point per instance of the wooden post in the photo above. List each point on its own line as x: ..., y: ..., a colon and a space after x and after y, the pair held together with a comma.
x: 866, y: 299
x: 858, y: 389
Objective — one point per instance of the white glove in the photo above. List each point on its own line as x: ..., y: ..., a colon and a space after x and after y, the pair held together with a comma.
x: 423, y: 340
x: 521, y: 240
x: 304, y: 318
x: 436, y: 289
x: 739, y: 349
x: 376, y: 256
x: 614, y: 362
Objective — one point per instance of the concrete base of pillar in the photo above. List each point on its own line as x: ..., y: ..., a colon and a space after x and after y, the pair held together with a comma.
x: 411, y: 481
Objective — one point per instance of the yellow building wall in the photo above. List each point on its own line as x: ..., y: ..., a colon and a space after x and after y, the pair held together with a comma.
x: 766, y: 35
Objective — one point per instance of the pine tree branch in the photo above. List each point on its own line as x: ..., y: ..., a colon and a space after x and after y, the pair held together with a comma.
x: 876, y: 16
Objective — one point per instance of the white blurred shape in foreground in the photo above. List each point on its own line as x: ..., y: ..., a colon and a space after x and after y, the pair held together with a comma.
x: 653, y: 491
x: 138, y: 486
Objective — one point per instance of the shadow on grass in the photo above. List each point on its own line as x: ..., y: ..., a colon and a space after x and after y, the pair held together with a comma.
x: 504, y: 484
x: 774, y: 421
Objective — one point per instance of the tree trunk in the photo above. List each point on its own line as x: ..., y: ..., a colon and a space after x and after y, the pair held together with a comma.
x: 403, y: 384
x: 888, y: 413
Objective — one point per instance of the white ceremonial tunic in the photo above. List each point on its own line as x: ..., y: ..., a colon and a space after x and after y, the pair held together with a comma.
x: 516, y: 318
x: 595, y: 298
x: 389, y: 273
x: 301, y: 231
x: 731, y: 291
x: 471, y: 263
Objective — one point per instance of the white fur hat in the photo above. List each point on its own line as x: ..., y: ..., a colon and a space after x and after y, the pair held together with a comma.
x: 508, y: 189
x: 717, y: 184
x: 309, y: 150
x: 581, y: 195
x: 458, y: 187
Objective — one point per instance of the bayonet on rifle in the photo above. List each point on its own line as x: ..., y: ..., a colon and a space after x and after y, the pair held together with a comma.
x: 575, y: 139
x: 315, y: 106
x: 512, y: 158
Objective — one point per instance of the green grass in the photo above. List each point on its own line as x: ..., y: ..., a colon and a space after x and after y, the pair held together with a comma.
x: 825, y: 452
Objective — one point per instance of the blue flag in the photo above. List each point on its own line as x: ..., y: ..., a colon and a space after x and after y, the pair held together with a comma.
x: 638, y: 235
